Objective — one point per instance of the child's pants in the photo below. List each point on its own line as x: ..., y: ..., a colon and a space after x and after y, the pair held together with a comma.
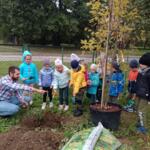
x: 79, y: 97
x: 142, y: 112
x: 63, y: 95
x: 92, y: 98
x: 49, y: 90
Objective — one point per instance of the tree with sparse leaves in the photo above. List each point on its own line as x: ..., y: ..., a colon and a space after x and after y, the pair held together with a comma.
x: 111, y: 24
x: 122, y: 24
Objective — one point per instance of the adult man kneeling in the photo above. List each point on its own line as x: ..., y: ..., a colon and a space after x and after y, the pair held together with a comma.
x: 10, y: 92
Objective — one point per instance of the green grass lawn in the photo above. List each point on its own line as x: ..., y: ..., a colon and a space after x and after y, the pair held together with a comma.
x: 126, y: 133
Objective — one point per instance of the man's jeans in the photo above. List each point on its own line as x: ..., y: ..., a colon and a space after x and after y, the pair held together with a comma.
x: 8, y: 108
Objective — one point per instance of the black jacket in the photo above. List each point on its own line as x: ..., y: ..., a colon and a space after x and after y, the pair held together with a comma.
x: 143, y: 85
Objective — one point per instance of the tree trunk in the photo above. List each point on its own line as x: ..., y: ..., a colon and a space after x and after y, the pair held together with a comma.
x: 106, y: 52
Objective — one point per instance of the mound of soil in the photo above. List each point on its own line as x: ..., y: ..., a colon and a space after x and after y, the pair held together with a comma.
x: 38, y: 132
x: 48, y: 119
x: 108, y: 108
x: 34, y: 133
x: 23, y: 139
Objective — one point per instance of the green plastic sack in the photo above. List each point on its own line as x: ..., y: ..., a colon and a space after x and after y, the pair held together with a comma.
x: 106, y: 141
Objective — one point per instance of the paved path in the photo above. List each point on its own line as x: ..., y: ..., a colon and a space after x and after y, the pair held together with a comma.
x: 7, y: 56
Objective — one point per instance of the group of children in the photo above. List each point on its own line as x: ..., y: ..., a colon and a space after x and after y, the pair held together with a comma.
x: 59, y: 79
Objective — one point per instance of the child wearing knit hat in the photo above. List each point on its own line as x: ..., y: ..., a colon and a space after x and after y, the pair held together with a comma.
x: 45, y: 82
x: 78, y: 82
x: 116, y: 83
x: 143, y: 93
x: 61, y: 83
x: 93, y: 84
x: 81, y: 62
x: 28, y: 74
x: 132, y: 77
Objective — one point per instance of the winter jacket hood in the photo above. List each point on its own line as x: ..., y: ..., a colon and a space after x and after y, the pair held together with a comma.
x: 25, y: 54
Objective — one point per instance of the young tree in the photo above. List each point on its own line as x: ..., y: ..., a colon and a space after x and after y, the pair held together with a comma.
x: 111, y: 24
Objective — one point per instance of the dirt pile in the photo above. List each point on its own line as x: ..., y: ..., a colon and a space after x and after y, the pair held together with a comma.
x: 23, y: 139
x: 34, y: 133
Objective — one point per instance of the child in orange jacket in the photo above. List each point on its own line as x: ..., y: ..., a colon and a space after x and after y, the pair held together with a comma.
x: 132, y: 85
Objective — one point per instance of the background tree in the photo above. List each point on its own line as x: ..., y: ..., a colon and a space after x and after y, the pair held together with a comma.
x: 56, y: 21
x: 142, y: 30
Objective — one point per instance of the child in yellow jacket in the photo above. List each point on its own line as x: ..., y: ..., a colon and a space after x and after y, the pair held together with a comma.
x: 78, y: 83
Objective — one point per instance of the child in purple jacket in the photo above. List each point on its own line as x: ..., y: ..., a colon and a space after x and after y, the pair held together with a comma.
x: 45, y: 81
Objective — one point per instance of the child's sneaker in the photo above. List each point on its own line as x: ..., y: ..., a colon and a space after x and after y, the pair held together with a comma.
x: 31, y: 102
x: 66, y: 108
x: 142, y: 129
x: 130, y: 106
x: 129, y: 109
x: 43, y: 106
x: 51, y: 104
x: 60, y: 107
x: 97, y: 101
x: 77, y: 112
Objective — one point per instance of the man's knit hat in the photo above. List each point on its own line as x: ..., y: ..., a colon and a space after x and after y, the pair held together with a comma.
x: 46, y: 62
x: 58, y: 62
x: 133, y: 63
x: 74, y: 64
x: 145, y: 59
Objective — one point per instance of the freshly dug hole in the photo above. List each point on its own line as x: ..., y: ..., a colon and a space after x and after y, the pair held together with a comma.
x: 48, y: 119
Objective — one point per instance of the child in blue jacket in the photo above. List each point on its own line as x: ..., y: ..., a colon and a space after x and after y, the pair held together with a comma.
x: 116, y: 83
x: 28, y: 72
x: 45, y: 82
x: 93, y: 83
